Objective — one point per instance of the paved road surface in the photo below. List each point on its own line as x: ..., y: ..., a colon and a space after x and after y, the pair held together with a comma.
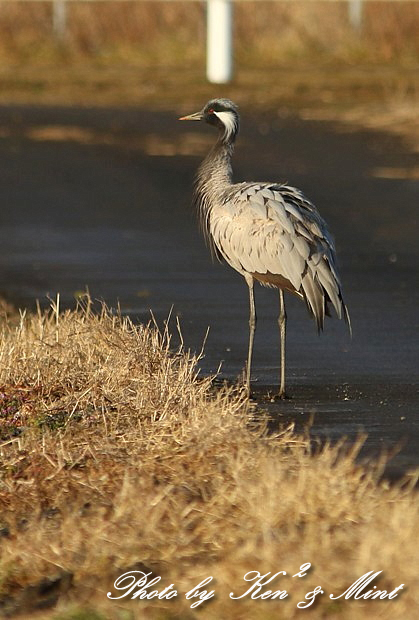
x: 100, y: 198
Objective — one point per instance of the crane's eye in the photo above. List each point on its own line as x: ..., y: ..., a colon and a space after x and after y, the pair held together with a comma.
x: 210, y: 111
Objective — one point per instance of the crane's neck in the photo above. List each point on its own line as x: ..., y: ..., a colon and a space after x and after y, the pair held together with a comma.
x: 214, y: 175
x: 214, y: 178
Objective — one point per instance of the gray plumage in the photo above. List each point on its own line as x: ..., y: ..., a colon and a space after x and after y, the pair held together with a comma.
x: 269, y: 232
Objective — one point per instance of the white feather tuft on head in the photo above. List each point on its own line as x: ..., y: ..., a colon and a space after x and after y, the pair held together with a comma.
x: 229, y: 120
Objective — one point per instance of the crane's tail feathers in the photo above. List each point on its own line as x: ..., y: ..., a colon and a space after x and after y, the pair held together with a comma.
x: 342, y: 315
x: 318, y: 296
x: 347, y: 319
x: 315, y: 300
x: 329, y: 281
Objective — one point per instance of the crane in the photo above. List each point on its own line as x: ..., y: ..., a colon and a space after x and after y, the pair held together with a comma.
x: 268, y: 232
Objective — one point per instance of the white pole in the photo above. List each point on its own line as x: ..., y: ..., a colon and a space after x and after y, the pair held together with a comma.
x: 219, y: 41
x: 355, y: 14
x: 59, y: 19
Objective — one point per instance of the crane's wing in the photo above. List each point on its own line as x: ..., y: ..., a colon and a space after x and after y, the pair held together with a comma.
x: 274, y: 233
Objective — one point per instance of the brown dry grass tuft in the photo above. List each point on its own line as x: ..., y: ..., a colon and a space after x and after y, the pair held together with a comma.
x: 119, y: 457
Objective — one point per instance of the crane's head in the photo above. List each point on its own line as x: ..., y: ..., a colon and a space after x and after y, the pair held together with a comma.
x: 222, y: 113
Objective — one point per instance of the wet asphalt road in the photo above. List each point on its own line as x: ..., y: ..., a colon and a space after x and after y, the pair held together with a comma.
x: 100, y: 198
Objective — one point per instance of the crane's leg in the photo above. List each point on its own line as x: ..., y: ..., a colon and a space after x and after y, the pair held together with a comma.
x: 282, y: 322
x: 252, y: 329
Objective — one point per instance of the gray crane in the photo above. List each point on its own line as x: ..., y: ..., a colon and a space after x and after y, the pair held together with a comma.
x: 268, y: 232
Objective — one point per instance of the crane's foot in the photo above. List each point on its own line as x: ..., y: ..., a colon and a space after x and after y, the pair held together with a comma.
x: 250, y: 395
x: 282, y: 395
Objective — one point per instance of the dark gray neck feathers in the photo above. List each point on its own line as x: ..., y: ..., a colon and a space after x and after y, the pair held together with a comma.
x: 214, y: 177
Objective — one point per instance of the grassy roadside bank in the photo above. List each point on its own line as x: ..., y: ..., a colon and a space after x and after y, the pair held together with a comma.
x: 115, y: 457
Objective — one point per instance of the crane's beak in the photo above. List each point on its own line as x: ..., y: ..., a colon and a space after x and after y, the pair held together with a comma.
x: 198, y: 116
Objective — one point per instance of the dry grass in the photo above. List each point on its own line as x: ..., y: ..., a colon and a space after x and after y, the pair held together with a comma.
x: 173, y: 33
x: 115, y: 456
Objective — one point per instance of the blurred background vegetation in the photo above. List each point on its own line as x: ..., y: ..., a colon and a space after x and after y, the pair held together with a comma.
x: 173, y: 33
x: 166, y: 41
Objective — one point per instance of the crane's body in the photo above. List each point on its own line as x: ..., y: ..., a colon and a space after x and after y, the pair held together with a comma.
x: 268, y: 232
